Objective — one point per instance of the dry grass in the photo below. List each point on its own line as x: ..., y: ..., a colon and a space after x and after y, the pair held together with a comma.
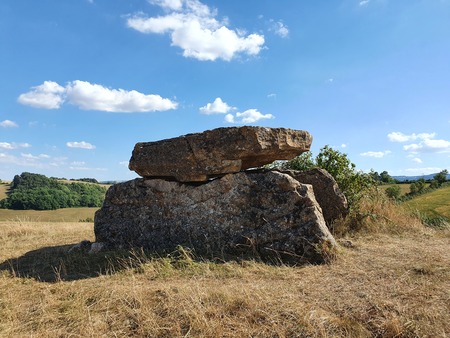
x: 382, y: 284
x: 59, y: 215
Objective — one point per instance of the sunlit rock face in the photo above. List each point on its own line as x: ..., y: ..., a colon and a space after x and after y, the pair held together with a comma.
x: 267, y: 215
x: 198, y: 157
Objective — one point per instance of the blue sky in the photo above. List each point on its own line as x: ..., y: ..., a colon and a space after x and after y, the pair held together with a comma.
x: 82, y: 81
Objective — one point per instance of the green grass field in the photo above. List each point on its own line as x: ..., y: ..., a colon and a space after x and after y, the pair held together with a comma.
x: 433, y: 203
x: 60, y: 215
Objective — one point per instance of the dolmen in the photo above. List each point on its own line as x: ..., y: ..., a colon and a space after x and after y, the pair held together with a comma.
x: 209, y: 192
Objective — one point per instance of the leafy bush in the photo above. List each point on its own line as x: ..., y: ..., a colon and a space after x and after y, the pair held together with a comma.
x: 38, y: 192
x: 353, y: 183
x: 393, y: 192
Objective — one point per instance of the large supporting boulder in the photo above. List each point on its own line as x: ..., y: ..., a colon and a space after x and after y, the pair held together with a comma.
x: 331, y: 199
x: 198, y: 157
x: 269, y: 215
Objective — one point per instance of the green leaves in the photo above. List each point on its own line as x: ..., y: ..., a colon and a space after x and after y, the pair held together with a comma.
x: 353, y: 183
x: 38, y: 192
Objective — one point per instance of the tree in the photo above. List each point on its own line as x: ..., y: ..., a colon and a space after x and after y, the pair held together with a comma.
x: 34, y: 191
x: 441, y: 177
x: 302, y: 162
x: 393, y: 192
x: 417, y: 187
x: 386, y: 178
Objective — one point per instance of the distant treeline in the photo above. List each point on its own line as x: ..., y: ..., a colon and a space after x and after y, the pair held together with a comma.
x: 38, y: 192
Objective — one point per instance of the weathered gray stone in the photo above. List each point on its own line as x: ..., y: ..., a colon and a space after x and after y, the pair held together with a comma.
x: 328, y: 195
x: 198, y: 157
x: 264, y: 214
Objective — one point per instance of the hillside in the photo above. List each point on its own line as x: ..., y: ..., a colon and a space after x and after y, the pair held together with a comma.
x: 30, y: 191
x: 436, y: 202
x: 415, y: 178
x: 4, y: 187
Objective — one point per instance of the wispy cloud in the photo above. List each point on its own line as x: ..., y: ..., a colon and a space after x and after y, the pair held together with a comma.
x: 193, y: 27
x: 421, y: 171
x: 397, y: 136
x: 216, y: 107
x: 279, y: 28
x: 376, y: 154
x: 81, y: 145
x: 248, y: 116
x: 88, y: 96
x: 8, y: 124
x: 364, y: 2
x: 13, y: 145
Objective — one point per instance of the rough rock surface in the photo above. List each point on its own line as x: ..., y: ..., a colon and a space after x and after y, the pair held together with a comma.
x: 265, y: 214
x: 198, y: 157
x: 328, y: 195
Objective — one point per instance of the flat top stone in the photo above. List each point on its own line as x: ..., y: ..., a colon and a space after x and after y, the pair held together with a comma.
x: 200, y: 156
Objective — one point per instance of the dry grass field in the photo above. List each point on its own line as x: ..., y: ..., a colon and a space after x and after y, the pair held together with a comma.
x: 393, y: 282
x: 4, y: 187
x: 59, y: 215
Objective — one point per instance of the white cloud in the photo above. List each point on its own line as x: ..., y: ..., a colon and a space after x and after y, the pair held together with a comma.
x: 88, y: 96
x: 248, y: 116
x: 272, y: 96
x: 86, y: 168
x: 13, y: 145
x: 364, y: 2
x: 400, y: 137
x: 427, y: 142
x: 429, y: 145
x: 34, y: 157
x: 376, y: 154
x: 175, y: 5
x: 193, y: 27
x: 81, y: 145
x: 421, y: 171
x: 417, y: 160
x: 217, y: 107
x: 49, y: 95
x: 8, y: 123
x: 279, y: 28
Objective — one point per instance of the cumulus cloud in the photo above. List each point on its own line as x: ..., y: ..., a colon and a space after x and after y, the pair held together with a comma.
x: 8, y: 124
x: 279, y: 28
x: 376, y: 154
x: 88, y: 96
x: 13, y: 145
x: 216, y: 107
x: 427, y: 142
x: 417, y: 160
x: 81, y: 145
x: 193, y: 27
x: 248, y: 116
x: 429, y: 145
x: 49, y: 95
